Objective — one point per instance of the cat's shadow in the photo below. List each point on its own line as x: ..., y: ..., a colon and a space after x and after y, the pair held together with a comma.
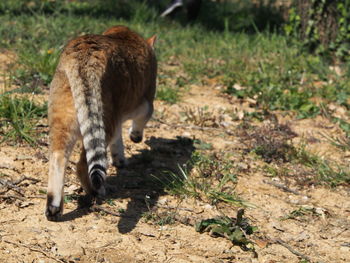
x: 143, y: 181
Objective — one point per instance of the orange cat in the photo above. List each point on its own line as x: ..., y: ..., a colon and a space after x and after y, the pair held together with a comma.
x: 100, y: 81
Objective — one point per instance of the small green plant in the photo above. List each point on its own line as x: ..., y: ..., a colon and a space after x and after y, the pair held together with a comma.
x: 236, y: 230
x: 18, y: 117
x: 168, y: 94
x: 110, y: 202
x: 70, y: 198
x: 326, y: 171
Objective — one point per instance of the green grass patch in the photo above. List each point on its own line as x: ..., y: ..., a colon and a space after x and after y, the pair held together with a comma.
x: 211, y: 179
x: 18, y: 117
x: 168, y: 94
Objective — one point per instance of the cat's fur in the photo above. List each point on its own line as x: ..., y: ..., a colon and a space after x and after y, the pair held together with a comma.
x: 100, y: 81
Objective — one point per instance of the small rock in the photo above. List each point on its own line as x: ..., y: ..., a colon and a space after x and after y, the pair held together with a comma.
x: 302, y: 236
x: 54, y: 250
x: 71, y: 189
x: 186, y: 134
x: 22, y: 157
x: 240, y: 115
x: 162, y: 201
x: 305, y: 198
x: 208, y: 206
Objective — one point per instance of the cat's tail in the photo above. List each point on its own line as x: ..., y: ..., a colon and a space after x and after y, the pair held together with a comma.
x: 85, y: 82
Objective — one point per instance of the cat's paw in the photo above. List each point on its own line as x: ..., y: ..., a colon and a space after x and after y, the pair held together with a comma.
x: 53, y: 212
x: 136, y: 136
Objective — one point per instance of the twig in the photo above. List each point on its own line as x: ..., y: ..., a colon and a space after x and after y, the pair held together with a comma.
x: 282, y: 187
x: 35, y: 249
x: 9, y: 167
x: 12, y: 196
x: 37, y: 196
x: 97, y: 208
x: 24, y: 177
x: 14, y: 185
x: 297, y: 253
x: 10, y: 186
x: 175, y: 207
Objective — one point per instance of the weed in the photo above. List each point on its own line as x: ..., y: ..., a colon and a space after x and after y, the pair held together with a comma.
x: 234, y: 229
x: 326, y: 171
x: 211, y: 181
x: 121, y: 210
x: 202, y: 116
x: 18, y: 117
x: 110, y: 202
x: 201, y: 145
x: 70, y: 198
x: 168, y: 94
x: 272, y: 141
x: 342, y: 142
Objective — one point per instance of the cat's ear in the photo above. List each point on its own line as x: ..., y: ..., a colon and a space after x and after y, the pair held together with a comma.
x: 152, y: 41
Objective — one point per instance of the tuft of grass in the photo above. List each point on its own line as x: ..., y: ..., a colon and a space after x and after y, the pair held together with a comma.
x: 70, y: 198
x: 18, y: 117
x: 211, y: 181
x: 326, y: 171
x: 168, y: 94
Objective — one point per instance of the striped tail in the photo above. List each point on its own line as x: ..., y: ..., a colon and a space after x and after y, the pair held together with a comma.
x: 86, y: 89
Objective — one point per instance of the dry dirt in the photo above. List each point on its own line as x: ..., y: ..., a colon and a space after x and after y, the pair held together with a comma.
x: 90, y: 236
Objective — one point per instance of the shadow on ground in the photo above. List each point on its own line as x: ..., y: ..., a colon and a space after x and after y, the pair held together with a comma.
x: 144, y: 176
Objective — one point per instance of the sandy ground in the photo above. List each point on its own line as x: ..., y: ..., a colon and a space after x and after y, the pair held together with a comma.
x: 89, y: 236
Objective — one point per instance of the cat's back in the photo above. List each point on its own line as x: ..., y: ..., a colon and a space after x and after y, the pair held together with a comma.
x: 117, y: 46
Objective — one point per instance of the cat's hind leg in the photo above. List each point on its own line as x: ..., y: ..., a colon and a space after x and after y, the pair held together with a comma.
x: 63, y: 134
x: 140, y: 118
x: 117, y: 148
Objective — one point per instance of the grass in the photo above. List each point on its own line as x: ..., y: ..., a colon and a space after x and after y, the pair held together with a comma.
x: 18, y: 117
x: 211, y: 179
x: 168, y: 94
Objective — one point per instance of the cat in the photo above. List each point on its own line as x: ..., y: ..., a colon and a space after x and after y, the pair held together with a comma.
x: 100, y: 81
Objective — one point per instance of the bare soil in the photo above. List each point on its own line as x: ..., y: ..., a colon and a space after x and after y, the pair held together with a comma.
x: 96, y: 236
